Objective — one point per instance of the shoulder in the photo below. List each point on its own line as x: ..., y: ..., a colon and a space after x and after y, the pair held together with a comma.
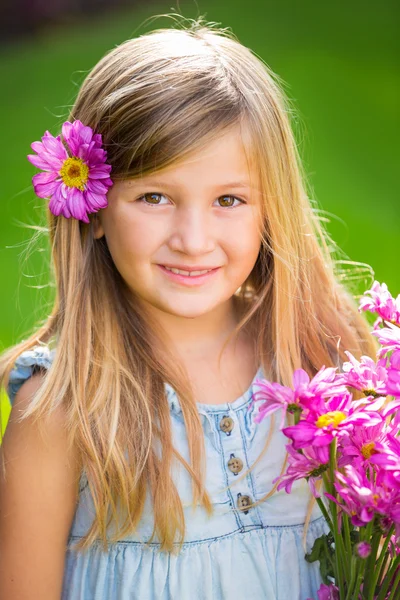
x: 37, y: 471
x: 27, y: 364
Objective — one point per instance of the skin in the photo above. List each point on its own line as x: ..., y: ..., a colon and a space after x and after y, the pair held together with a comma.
x: 192, y: 217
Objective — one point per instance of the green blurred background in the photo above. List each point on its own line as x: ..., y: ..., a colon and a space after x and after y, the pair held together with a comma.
x: 339, y: 64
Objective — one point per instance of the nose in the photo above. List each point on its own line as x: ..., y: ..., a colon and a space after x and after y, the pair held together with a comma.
x: 192, y: 231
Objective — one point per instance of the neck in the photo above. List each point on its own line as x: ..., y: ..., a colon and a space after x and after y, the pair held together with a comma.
x: 202, y: 336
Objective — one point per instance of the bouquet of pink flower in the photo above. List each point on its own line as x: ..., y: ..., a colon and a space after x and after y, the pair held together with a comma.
x: 350, y: 447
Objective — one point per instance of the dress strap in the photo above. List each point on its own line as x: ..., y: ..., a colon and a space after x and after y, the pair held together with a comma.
x: 25, y: 366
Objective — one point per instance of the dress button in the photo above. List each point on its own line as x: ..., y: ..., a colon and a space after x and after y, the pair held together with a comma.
x: 235, y: 464
x: 243, y: 503
x: 226, y: 425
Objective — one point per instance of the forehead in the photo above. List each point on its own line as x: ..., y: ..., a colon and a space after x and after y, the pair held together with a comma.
x: 221, y: 162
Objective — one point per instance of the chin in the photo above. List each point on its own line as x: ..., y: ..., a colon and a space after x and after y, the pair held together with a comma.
x: 189, y: 312
x: 189, y: 308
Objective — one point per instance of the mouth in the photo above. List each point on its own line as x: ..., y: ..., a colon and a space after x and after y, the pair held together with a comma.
x: 188, y: 271
x: 189, y: 277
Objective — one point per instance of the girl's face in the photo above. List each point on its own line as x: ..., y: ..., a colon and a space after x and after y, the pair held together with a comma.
x: 200, y: 214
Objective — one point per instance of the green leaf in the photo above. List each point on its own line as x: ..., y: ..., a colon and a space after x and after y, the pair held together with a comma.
x: 323, y: 551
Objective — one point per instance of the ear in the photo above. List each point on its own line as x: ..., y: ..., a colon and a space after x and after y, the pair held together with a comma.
x: 98, y: 230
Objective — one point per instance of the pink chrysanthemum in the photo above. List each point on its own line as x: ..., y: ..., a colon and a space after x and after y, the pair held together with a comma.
x: 327, y: 592
x: 362, y: 496
x: 332, y: 418
x: 363, y: 549
x: 274, y: 396
x: 367, y: 375
x: 379, y: 300
x: 393, y: 382
x: 310, y: 463
x: 77, y: 180
x: 363, y: 443
x: 389, y: 339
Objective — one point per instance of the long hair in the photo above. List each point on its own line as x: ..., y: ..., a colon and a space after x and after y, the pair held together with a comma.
x: 155, y: 99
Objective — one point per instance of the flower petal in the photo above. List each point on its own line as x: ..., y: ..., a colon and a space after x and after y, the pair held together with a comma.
x: 76, y: 204
x: 300, y: 377
x: 97, y: 155
x: 99, y: 172
x: 39, y: 162
x: 85, y: 132
x: 95, y: 201
x: 45, y: 177
x: 45, y: 190
x: 96, y: 186
x: 54, y: 146
x: 57, y: 203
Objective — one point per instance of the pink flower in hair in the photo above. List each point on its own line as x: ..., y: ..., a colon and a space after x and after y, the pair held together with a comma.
x: 76, y: 175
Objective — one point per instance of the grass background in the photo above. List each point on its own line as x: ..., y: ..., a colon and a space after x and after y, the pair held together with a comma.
x: 340, y: 67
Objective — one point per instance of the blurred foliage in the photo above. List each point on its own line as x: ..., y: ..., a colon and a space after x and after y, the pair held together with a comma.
x: 339, y: 65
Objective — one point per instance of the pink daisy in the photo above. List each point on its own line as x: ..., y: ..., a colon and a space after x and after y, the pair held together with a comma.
x: 78, y: 179
x: 379, y: 300
x: 367, y: 375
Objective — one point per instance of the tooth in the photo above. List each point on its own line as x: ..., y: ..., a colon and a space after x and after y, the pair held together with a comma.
x: 187, y: 273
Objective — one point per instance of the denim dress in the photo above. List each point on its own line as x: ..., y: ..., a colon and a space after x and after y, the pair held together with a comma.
x: 244, y: 552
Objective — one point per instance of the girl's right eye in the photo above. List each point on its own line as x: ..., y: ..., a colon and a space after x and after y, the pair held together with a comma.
x: 151, y: 195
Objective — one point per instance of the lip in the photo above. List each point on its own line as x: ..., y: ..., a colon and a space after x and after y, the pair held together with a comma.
x: 188, y: 280
x: 190, y: 269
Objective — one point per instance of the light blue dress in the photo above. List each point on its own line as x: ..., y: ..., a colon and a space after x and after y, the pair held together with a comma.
x: 240, y: 552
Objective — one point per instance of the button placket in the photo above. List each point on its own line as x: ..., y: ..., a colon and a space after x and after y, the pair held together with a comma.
x: 234, y: 458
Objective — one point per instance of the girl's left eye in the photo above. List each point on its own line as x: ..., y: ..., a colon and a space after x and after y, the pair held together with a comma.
x: 152, y: 195
x: 232, y: 197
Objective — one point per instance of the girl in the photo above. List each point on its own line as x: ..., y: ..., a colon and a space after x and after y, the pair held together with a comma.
x: 132, y: 465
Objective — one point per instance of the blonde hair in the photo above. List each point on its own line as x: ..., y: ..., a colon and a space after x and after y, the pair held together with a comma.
x: 155, y: 99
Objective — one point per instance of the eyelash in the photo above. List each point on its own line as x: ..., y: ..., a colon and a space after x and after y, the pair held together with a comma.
x: 140, y: 199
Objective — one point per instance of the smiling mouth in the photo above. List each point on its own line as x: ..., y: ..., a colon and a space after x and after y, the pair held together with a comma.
x: 188, y: 273
x: 188, y: 277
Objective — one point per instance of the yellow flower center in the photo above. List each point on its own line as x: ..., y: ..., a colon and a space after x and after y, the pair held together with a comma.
x: 370, y: 392
x: 331, y: 418
x: 75, y: 173
x: 368, y: 449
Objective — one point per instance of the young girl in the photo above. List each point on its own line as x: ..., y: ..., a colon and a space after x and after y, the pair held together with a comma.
x: 132, y: 465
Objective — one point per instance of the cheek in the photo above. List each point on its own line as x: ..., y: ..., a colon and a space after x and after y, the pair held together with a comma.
x: 245, y: 242
x: 130, y: 239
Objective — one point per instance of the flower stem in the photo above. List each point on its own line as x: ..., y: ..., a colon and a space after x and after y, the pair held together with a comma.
x: 353, y: 575
x: 346, y: 529
x: 325, y: 513
x: 381, y: 562
x: 388, y: 578
x: 339, y: 546
x: 358, y: 584
x: 329, y: 554
x: 394, y: 588
x: 370, y: 565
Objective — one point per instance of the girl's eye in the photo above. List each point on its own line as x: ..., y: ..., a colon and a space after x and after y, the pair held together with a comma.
x: 232, y: 198
x: 150, y: 198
